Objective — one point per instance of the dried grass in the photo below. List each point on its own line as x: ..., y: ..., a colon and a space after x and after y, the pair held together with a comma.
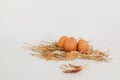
x: 51, y: 51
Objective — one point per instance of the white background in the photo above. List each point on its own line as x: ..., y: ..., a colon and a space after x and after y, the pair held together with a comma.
x: 34, y: 20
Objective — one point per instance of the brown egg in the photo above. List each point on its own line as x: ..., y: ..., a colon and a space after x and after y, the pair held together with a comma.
x: 70, y: 44
x: 62, y: 41
x: 83, y: 46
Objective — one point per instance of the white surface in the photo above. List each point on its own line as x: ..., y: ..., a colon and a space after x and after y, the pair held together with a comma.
x: 35, y: 20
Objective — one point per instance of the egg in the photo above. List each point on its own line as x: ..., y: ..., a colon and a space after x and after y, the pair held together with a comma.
x: 62, y: 41
x: 70, y: 44
x: 83, y: 46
